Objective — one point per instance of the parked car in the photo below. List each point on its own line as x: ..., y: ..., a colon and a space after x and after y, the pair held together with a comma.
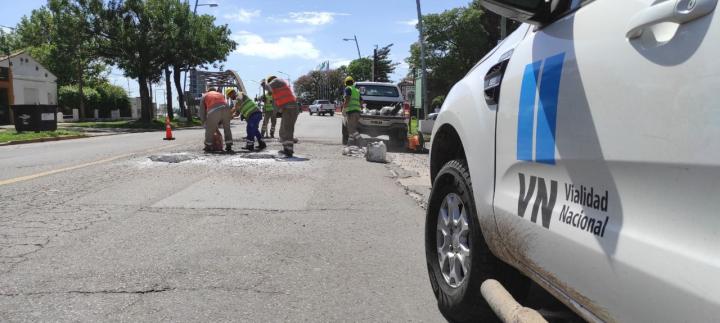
x: 582, y: 153
x: 322, y: 107
x: 383, y: 113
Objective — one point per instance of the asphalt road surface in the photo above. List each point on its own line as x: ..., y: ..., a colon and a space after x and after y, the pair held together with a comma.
x: 94, y: 230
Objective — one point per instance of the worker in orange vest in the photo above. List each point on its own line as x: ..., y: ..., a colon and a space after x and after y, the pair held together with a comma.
x: 284, y: 100
x: 214, y: 111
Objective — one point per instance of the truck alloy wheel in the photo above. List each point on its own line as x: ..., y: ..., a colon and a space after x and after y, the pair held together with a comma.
x: 453, y: 241
x: 458, y: 258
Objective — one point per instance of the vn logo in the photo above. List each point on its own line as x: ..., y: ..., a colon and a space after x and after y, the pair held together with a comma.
x: 543, y: 203
x: 549, y: 88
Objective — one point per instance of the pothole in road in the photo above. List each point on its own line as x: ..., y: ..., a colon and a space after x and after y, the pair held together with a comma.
x: 225, y: 158
x: 172, y: 158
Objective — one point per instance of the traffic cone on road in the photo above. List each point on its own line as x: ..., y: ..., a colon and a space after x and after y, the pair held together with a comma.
x: 168, y: 130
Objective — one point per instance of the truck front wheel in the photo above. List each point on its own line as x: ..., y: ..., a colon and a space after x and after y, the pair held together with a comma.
x: 458, y: 258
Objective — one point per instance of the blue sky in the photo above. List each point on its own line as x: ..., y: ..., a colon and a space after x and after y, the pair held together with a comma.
x: 296, y: 36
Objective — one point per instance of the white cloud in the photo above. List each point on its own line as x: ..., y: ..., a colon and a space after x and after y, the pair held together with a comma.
x: 242, y: 15
x: 411, y: 22
x: 254, y: 45
x: 339, y: 62
x: 314, y: 18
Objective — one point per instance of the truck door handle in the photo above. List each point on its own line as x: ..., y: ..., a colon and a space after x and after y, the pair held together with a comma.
x: 677, y: 11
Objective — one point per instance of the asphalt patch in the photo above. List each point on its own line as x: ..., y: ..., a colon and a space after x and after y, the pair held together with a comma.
x: 291, y: 159
x: 172, y: 158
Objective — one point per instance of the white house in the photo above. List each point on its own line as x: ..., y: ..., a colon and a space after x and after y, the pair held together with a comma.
x: 24, y: 81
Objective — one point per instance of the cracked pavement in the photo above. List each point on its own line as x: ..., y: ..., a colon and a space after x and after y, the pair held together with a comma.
x: 211, y: 238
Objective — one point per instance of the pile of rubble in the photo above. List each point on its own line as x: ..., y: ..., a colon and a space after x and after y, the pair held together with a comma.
x: 374, y: 152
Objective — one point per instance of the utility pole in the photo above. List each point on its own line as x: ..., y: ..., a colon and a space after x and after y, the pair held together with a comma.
x: 374, y: 65
x: 423, y: 86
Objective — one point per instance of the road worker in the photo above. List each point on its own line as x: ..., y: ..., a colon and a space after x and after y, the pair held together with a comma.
x: 351, y: 110
x: 252, y: 115
x: 286, y: 102
x: 270, y: 115
x: 213, y: 112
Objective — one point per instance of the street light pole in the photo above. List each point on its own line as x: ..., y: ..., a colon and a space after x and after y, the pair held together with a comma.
x: 423, y: 85
x: 288, y: 77
x: 356, y: 44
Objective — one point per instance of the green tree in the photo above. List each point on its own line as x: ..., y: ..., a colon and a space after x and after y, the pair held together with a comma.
x: 383, y: 64
x: 361, y: 69
x: 59, y: 37
x: 194, y: 40
x: 455, y: 40
x: 9, y: 42
x: 131, y: 35
x: 321, y: 85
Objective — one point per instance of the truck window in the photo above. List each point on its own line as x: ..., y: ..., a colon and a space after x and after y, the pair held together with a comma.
x: 378, y: 90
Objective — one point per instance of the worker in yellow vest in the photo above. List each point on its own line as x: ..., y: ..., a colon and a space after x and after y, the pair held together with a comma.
x: 351, y: 110
x: 214, y: 111
x: 285, y: 100
x: 252, y: 115
x: 270, y: 115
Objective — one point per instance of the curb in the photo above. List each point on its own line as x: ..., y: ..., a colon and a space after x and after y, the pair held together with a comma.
x: 31, y: 141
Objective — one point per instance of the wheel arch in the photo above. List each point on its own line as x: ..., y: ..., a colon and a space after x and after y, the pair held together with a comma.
x: 447, y: 146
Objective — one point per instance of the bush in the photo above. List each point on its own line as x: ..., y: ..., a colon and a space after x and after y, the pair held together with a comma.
x: 105, y: 97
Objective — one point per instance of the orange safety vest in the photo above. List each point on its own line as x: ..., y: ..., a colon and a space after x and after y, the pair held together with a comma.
x: 213, y: 100
x: 283, y: 95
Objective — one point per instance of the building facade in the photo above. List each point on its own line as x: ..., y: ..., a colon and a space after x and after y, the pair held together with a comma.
x: 24, y: 81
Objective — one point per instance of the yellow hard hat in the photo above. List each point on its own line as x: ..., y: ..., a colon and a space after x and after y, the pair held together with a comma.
x: 349, y: 79
x: 228, y: 91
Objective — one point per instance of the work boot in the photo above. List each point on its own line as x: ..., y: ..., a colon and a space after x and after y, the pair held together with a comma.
x: 228, y: 148
x: 250, y: 146
x: 264, y: 134
x: 261, y: 144
x: 208, y: 149
x: 287, y: 151
x: 272, y: 134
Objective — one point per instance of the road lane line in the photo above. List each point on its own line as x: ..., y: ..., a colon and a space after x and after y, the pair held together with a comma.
x: 55, y: 171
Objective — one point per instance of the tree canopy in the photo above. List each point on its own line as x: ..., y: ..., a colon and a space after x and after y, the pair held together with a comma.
x: 360, y: 69
x: 384, y: 66
x: 455, y: 40
x: 78, y: 39
x: 321, y: 85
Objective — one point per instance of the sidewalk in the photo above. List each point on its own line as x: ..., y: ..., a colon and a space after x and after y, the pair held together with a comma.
x: 412, y: 172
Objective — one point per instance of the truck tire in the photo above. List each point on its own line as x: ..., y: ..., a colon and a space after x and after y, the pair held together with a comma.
x: 399, y: 140
x: 332, y: 113
x: 310, y: 111
x: 460, y: 241
x: 344, y: 135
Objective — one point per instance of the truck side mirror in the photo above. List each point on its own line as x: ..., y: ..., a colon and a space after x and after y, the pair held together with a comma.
x: 534, y: 12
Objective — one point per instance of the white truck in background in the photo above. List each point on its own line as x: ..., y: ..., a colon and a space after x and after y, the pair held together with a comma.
x: 582, y: 153
x: 322, y: 107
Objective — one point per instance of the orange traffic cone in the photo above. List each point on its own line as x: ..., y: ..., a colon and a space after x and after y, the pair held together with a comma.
x: 168, y: 130
x: 413, y: 142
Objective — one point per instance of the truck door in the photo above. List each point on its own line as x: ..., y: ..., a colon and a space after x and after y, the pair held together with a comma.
x: 608, y: 158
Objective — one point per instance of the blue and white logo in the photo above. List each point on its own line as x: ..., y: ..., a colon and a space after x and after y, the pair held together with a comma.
x: 546, y: 123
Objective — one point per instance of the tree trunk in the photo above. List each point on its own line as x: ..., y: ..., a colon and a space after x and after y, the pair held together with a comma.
x: 145, y: 112
x: 82, y: 96
x: 181, y: 94
x: 168, y: 94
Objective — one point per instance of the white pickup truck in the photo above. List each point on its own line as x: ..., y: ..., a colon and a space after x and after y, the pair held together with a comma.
x: 322, y: 107
x: 583, y: 152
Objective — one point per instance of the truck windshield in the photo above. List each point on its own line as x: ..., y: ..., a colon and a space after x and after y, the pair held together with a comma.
x: 378, y: 90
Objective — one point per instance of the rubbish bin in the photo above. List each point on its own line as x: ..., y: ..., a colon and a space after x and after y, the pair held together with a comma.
x: 35, y: 117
